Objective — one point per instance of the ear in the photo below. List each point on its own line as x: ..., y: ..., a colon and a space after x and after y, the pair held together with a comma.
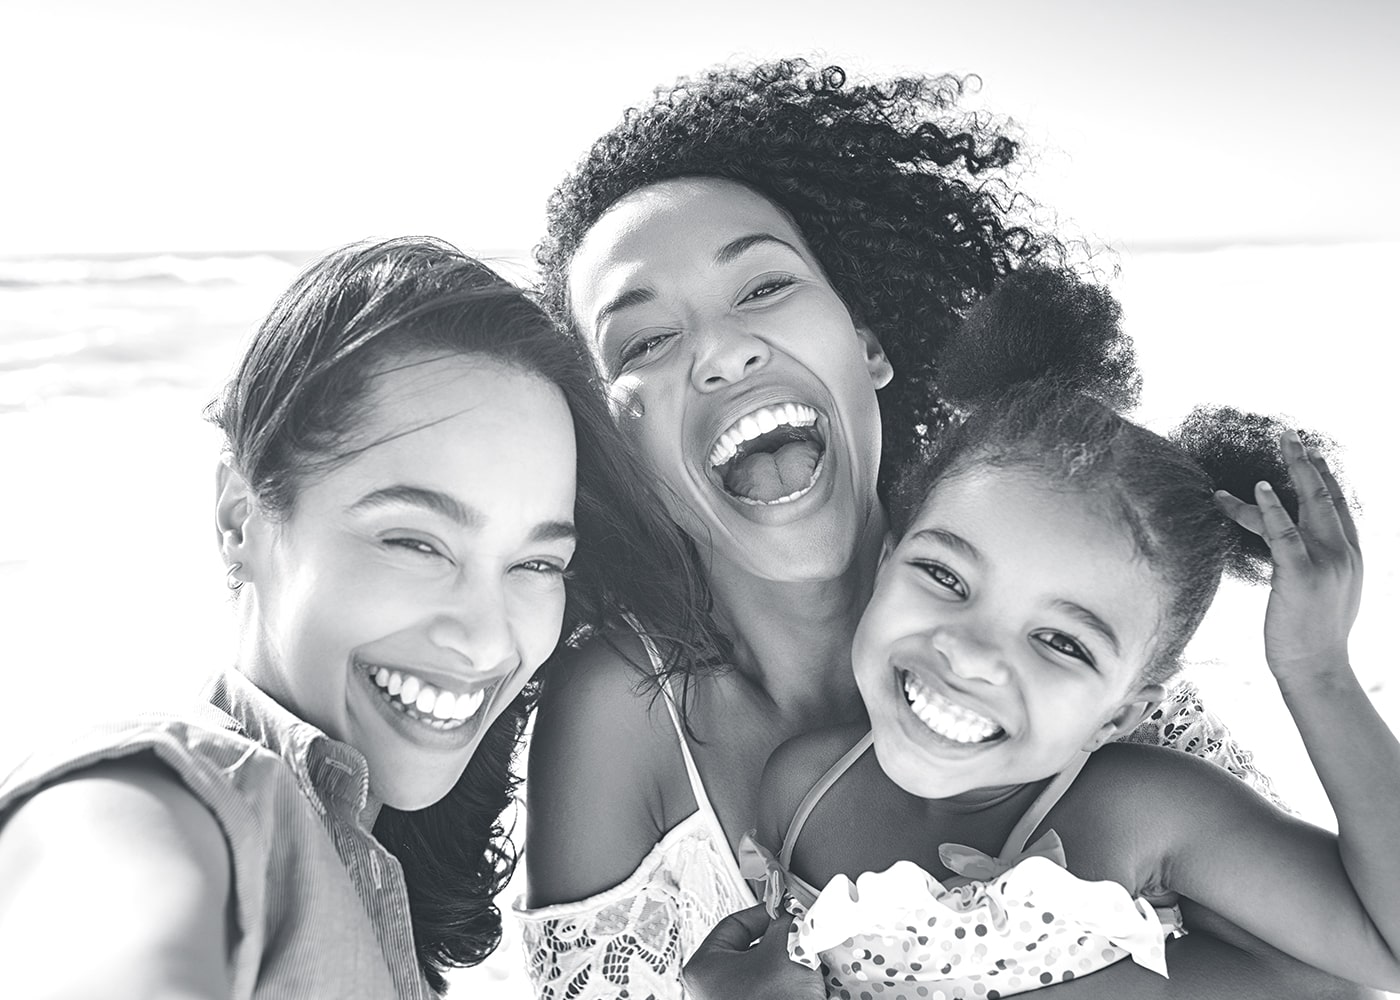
x: 1128, y: 716
x: 234, y: 511
x: 879, y: 367
x: 886, y: 547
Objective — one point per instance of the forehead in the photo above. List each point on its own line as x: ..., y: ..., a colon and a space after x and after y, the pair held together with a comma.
x: 1054, y: 541
x: 466, y: 424
x: 668, y: 231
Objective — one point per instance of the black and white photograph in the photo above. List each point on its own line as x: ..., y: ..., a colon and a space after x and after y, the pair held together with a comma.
x: 738, y: 501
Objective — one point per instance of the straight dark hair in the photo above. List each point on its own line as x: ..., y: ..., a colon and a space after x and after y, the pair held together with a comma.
x: 292, y: 411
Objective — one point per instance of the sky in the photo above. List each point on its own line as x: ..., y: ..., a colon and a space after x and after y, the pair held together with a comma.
x: 135, y: 125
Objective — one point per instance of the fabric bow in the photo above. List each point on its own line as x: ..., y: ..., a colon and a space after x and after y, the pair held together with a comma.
x: 973, y: 864
x: 758, y: 863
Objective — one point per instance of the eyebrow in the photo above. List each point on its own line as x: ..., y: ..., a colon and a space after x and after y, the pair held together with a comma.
x: 736, y: 248
x: 1091, y: 621
x: 955, y: 542
x: 448, y: 506
x: 628, y: 299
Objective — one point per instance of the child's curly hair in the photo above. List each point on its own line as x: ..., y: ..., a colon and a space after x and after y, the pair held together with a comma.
x: 903, y: 197
x: 1041, y: 370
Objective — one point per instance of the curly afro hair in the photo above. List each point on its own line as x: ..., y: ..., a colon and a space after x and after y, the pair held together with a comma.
x: 903, y: 197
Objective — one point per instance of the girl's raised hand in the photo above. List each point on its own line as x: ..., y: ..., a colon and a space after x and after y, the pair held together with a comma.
x: 1316, y: 587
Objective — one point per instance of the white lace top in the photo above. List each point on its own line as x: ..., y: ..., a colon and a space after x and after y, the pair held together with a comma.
x: 633, y: 939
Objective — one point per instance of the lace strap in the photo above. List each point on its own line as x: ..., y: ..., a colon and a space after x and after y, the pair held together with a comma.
x: 814, y: 794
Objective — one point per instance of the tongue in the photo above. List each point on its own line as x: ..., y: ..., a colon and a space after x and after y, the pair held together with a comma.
x: 770, y: 475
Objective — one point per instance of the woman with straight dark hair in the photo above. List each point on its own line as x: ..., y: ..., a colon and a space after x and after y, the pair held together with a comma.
x: 421, y: 490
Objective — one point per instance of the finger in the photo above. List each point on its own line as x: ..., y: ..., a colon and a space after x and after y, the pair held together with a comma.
x: 1246, y: 515
x: 738, y: 931
x: 1285, y: 540
x: 1339, y: 501
x: 1317, y: 512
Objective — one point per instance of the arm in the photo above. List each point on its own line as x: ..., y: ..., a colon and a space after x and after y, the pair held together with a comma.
x: 1345, y: 893
x: 598, y: 761
x: 597, y: 753
x: 114, y: 883
x: 1206, y: 967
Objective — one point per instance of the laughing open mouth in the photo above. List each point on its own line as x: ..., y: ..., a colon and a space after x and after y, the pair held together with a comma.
x: 772, y: 455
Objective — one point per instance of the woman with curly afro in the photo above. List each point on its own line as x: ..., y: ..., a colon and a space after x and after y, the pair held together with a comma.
x: 748, y: 260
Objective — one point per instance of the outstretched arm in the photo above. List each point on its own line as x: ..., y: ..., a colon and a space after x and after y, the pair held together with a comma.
x: 1334, y: 902
x: 114, y: 883
x: 1206, y: 967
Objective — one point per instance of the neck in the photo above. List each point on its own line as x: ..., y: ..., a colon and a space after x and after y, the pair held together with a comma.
x: 792, y: 640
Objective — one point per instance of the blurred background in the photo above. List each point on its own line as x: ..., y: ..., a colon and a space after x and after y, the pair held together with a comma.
x: 167, y: 167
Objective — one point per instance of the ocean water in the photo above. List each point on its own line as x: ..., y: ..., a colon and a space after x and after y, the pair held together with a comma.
x: 111, y: 591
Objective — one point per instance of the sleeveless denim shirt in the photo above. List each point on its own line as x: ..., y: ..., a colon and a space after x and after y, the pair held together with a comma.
x: 321, y: 907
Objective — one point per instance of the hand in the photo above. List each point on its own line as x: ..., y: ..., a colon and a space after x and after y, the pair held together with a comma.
x: 1316, y: 586
x: 729, y: 965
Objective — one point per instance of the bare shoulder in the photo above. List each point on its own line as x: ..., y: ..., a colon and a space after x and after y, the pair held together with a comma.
x: 130, y: 864
x: 603, y: 758
x: 792, y: 770
x: 1134, y: 776
x: 1134, y: 804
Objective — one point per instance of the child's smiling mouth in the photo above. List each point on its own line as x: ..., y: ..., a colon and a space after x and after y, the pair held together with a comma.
x: 944, y: 717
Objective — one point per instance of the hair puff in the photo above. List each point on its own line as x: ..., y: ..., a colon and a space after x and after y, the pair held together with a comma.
x: 1042, y: 324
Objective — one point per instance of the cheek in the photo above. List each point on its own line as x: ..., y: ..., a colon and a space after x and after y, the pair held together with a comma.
x: 537, y: 619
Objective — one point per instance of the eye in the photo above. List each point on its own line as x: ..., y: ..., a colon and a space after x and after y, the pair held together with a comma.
x: 416, y: 545
x: 544, y: 568
x: 1063, y: 644
x: 942, y: 576
x: 769, y: 286
x: 642, y: 347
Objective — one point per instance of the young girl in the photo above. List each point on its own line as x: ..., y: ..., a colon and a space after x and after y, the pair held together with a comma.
x: 1047, y: 567
x: 414, y: 463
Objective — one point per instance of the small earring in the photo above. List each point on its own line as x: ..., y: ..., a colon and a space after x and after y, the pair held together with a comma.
x: 230, y: 580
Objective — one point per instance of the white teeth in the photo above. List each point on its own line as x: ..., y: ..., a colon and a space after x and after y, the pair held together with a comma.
x: 467, y: 704
x: 760, y: 421
x: 433, y: 707
x: 947, y: 718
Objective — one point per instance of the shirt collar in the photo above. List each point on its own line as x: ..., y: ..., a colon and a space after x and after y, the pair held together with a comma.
x: 333, y: 775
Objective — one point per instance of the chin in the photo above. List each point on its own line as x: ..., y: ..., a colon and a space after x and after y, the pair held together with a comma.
x: 411, y: 796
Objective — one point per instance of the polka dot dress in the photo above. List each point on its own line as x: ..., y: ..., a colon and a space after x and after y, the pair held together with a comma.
x: 901, y: 934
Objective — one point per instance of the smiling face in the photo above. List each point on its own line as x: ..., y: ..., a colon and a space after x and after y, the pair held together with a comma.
x: 413, y: 589
x: 1008, y: 631
x: 738, y: 372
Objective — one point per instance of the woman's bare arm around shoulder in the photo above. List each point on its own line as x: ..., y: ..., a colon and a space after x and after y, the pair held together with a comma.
x: 114, y: 883
x: 602, y: 754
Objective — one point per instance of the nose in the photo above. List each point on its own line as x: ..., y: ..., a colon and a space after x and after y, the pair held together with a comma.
x: 474, y: 629
x: 726, y: 354
x: 971, y: 654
